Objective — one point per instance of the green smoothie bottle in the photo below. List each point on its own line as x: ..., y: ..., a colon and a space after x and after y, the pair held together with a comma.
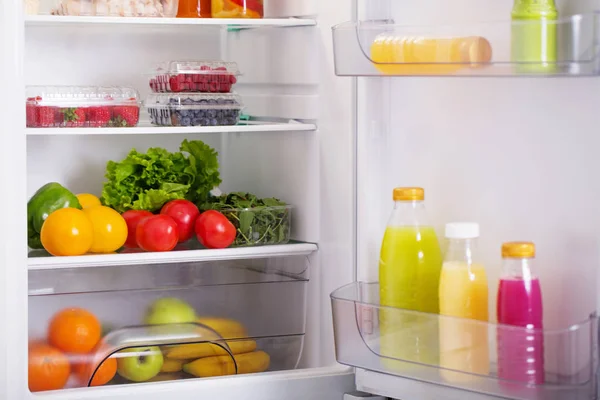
x: 534, y: 36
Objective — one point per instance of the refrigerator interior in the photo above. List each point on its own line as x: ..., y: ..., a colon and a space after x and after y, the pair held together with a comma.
x: 287, y: 75
x: 514, y: 154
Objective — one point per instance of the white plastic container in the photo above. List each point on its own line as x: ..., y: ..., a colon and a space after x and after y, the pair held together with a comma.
x: 81, y: 106
x: 194, y: 109
x: 194, y: 76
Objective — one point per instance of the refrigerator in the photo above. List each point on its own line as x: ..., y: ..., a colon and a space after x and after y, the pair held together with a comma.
x: 331, y: 133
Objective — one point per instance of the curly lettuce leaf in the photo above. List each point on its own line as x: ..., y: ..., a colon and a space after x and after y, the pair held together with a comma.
x: 205, y: 163
x: 146, y: 181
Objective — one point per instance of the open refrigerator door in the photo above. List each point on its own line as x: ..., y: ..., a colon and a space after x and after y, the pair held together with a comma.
x: 106, y: 99
x: 445, y: 103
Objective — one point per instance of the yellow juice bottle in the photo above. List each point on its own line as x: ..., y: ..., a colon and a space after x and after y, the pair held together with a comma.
x: 463, y: 294
x: 409, y: 273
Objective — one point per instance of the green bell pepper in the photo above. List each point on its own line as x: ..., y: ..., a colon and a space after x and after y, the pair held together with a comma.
x: 49, y: 198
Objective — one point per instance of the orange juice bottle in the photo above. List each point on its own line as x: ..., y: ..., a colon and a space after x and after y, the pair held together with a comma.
x: 416, y: 55
x: 463, y: 293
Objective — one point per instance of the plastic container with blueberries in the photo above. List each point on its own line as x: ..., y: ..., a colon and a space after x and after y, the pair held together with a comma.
x: 194, y: 77
x: 194, y: 109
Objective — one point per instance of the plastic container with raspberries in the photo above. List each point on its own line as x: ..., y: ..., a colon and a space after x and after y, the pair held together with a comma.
x: 81, y: 106
x: 194, y: 77
x: 194, y: 109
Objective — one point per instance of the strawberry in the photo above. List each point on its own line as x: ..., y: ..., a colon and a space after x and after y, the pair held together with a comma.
x: 74, y: 116
x: 98, y: 116
x: 44, y: 117
x: 125, y: 116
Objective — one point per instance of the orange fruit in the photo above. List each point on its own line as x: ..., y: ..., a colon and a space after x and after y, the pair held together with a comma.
x: 102, y: 374
x: 110, y: 229
x: 74, y: 330
x: 88, y: 200
x: 67, y: 232
x: 49, y: 369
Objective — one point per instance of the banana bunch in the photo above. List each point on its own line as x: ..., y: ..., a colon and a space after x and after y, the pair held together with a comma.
x: 211, y: 359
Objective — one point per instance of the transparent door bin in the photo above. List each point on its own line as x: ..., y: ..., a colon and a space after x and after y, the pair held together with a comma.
x: 104, y: 8
x: 81, y: 107
x: 194, y: 109
x: 194, y: 76
x: 406, y: 343
x: 390, y: 48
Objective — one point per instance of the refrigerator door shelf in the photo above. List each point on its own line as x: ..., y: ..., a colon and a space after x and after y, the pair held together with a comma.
x: 475, y: 42
x: 570, y: 364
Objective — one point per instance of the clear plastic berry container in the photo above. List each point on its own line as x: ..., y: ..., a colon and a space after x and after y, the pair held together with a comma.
x: 81, y: 106
x: 194, y: 77
x: 194, y: 109
x: 108, y: 8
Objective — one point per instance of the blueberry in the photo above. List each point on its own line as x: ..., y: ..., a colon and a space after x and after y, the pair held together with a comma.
x: 197, y: 121
x: 212, y: 102
x: 203, y: 101
x: 186, y: 121
x: 213, y: 122
x: 187, y: 101
x: 211, y: 113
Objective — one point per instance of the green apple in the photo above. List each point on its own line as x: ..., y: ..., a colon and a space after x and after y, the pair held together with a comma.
x: 142, y: 366
x: 170, y: 310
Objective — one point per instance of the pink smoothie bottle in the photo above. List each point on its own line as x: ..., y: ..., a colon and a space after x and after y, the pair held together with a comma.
x: 520, y: 350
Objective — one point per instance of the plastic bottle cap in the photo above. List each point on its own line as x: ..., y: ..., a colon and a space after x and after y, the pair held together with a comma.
x: 409, y: 193
x: 518, y: 250
x: 462, y: 230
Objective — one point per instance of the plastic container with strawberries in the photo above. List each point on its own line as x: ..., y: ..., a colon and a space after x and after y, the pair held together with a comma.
x: 194, y: 76
x: 194, y: 109
x: 81, y: 106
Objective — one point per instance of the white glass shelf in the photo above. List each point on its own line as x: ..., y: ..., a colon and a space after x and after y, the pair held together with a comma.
x: 385, y: 48
x: 145, y: 129
x: 57, y: 20
x: 39, y: 259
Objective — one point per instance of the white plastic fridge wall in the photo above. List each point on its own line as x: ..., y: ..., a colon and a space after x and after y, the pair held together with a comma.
x: 313, y: 170
x: 517, y: 155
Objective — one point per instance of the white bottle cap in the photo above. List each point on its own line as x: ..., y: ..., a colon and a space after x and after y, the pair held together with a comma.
x: 462, y: 230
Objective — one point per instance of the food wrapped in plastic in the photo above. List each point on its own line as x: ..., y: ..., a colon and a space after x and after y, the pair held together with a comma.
x: 114, y: 8
x: 194, y: 109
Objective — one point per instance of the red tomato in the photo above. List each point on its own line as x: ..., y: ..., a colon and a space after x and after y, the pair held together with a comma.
x: 214, y: 230
x: 184, y: 213
x: 157, y: 233
x: 133, y: 218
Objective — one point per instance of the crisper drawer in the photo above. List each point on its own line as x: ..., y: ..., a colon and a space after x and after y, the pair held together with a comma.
x: 131, y: 324
x: 407, y: 344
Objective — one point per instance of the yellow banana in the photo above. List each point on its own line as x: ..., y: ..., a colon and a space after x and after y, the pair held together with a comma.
x: 227, y: 328
x: 197, y: 350
x: 170, y: 365
x: 166, y: 377
x: 257, y: 361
